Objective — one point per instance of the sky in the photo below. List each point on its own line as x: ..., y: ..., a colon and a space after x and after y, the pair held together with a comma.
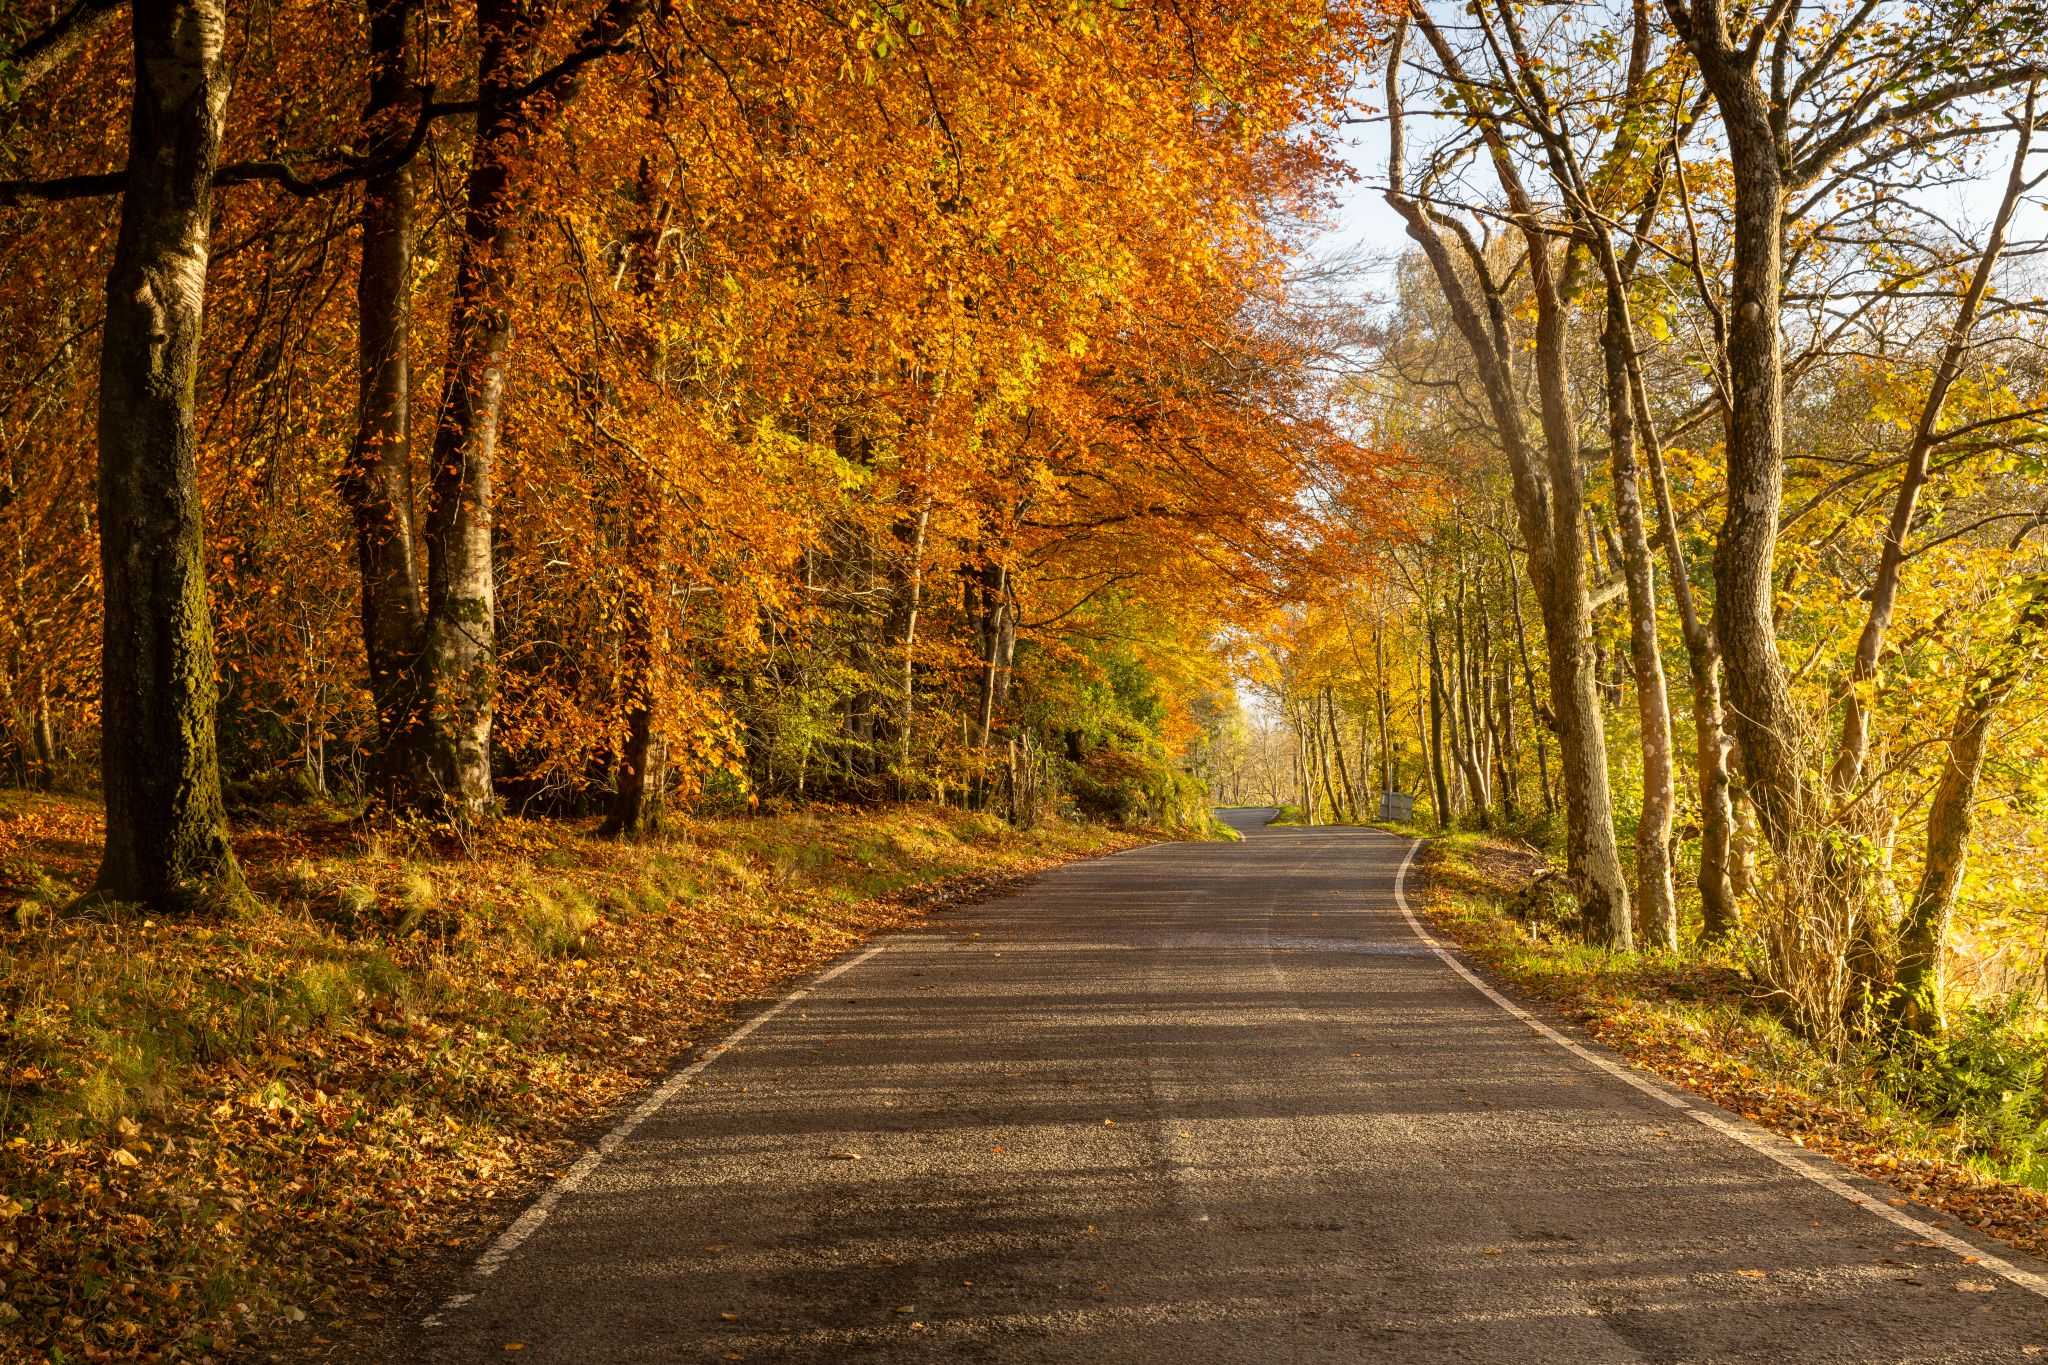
x: 1362, y: 222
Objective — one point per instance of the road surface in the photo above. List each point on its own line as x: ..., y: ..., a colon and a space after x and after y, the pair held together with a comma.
x: 1197, y: 1103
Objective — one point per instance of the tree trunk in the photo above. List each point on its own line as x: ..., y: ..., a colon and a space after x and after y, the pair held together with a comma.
x: 637, y: 809
x: 167, y: 837
x: 376, y: 483
x: 1589, y: 818
x: 458, y: 663
x: 1509, y: 739
x: 912, y: 602
x: 1718, y: 892
x: 1549, y: 490
x: 1658, y: 898
x: 1313, y: 715
x: 1465, y: 733
x: 1379, y: 683
x: 1923, y: 932
x: 1760, y: 708
x: 1537, y: 725
x: 1307, y: 803
x: 997, y: 639
x: 1441, y: 788
x: 1350, y: 790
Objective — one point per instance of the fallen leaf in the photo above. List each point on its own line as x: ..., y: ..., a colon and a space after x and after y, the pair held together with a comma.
x: 1975, y: 1287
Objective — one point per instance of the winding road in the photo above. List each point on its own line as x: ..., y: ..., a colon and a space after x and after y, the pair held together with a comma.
x: 1205, y: 1103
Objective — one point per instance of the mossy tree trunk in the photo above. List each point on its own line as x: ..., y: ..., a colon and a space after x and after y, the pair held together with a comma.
x: 167, y: 838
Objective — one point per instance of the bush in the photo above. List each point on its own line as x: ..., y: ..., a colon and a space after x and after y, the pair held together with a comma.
x: 1986, y: 1075
x: 1130, y: 786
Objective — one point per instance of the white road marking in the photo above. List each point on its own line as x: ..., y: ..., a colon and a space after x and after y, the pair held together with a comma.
x: 529, y: 1222
x: 1764, y: 1143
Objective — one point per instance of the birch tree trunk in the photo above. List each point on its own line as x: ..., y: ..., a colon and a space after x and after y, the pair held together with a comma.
x: 167, y: 837
x: 457, y: 669
x: 458, y: 663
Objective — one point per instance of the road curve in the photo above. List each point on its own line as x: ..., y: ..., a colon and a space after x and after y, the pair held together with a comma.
x: 1197, y: 1103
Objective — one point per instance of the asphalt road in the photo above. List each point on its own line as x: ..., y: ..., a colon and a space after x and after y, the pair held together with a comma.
x: 1199, y: 1103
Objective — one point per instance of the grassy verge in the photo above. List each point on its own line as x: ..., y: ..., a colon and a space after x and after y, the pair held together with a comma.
x: 226, y: 1137
x: 1702, y: 1023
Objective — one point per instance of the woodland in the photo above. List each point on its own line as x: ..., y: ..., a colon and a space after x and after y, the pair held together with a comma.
x: 497, y: 491
x: 605, y: 408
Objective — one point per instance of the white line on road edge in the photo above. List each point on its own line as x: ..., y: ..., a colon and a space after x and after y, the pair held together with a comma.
x: 1764, y: 1143
x: 537, y: 1212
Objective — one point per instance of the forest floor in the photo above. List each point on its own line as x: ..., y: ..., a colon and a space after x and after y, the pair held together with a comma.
x: 1703, y: 1023
x: 242, y: 1136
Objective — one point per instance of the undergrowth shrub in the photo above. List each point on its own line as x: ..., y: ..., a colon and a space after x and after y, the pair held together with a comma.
x: 1819, y: 918
x: 1986, y: 1076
